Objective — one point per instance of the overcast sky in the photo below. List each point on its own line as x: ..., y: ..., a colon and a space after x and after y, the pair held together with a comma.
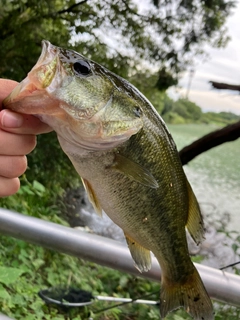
x: 223, y: 65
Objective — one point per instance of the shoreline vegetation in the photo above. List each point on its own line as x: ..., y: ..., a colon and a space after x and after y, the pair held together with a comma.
x: 181, y: 111
x: 184, y: 111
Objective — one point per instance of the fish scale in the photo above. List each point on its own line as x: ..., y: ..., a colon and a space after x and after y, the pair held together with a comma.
x: 128, y: 163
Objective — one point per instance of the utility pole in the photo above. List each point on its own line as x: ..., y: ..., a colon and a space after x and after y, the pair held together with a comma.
x: 191, y: 74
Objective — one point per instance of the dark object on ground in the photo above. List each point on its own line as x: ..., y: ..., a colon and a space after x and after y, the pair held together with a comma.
x: 72, y: 297
x: 67, y: 297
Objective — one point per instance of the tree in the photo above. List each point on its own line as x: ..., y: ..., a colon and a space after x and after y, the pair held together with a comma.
x: 215, y: 138
x: 225, y: 86
x: 209, y: 141
x: 123, y: 36
x: 119, y: 34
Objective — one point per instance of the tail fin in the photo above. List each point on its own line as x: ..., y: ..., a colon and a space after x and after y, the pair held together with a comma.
x: 191, y: 295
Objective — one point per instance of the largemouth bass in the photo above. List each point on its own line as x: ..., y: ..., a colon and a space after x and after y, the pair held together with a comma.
x: 128, y: 163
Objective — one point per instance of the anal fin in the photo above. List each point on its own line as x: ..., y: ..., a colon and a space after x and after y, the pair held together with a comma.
x: 92, y: 197
x: 140, y: 255
x: 195, y: 223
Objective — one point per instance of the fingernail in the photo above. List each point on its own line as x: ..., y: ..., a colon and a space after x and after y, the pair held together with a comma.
x: 11, y: 119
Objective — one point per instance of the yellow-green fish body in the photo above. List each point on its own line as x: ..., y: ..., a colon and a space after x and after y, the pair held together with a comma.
x: 128, y: 163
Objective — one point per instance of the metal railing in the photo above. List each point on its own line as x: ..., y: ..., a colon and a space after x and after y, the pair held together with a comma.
x: 3, y: 317
x: 221, y: 286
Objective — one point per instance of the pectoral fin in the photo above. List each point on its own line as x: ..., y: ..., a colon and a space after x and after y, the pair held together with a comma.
x: 92, y: 197
x: 134, y: 171
x: 195, y: 223
x: 140, y: 255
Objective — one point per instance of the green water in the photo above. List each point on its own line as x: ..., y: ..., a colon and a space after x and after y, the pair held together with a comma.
x: 214, y: 175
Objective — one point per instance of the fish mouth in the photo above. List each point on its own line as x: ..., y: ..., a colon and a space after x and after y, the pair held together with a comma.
x: 48, y: 52
x: 38, y: 79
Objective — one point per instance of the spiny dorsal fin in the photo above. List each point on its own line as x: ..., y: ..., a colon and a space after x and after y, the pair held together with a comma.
x: 195, y: 223
x: 140, y: 255
x: 134, y: 171
x: 92, y: 197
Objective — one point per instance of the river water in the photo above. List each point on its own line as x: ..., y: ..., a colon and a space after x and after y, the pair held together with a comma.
x: 214, y: 175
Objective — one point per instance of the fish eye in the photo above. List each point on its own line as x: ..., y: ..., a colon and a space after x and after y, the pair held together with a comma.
x: 137, y: 111
x: 82, y: 68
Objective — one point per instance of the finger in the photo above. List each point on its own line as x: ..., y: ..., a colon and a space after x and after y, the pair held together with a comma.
x: 16, y: 144
x: 22, y: 123
x: 8, y: 186
x: 6, y: 86
x: 12, y: 166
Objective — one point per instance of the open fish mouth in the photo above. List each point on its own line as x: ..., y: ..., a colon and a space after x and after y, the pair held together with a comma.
x: 39, y: 78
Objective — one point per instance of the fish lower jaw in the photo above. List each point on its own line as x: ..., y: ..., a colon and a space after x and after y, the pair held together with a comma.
x: 24, y: 89
x: 20, y: 91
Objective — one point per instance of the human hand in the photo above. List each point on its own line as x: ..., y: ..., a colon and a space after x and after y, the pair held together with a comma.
x: 17, y: 139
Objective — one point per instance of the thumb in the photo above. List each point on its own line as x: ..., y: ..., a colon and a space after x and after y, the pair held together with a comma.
x: 6, y: 86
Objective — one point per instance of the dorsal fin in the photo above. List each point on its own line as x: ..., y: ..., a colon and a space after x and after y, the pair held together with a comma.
x: 195, y: 223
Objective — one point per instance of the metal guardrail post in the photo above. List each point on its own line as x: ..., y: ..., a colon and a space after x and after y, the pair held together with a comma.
x: 221, y: 286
